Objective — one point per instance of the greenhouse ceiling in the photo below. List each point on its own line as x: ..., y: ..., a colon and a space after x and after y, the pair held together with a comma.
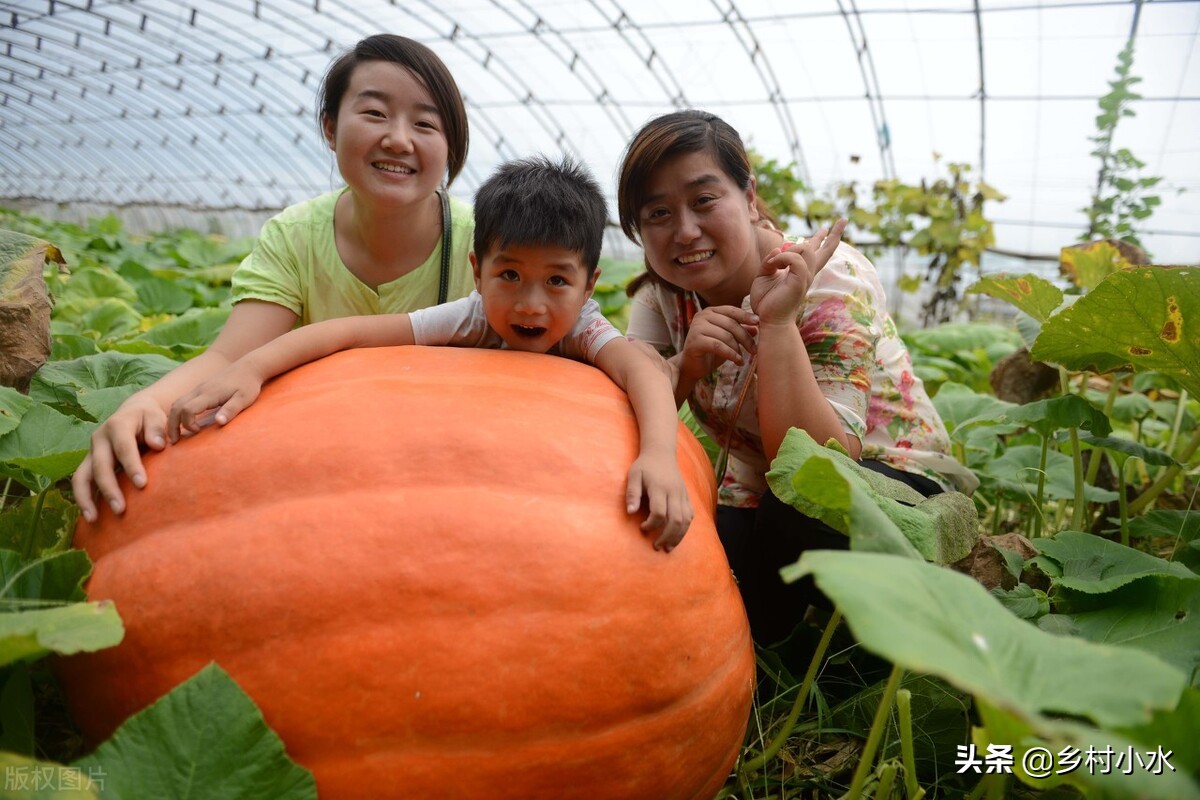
x: 209, y: 104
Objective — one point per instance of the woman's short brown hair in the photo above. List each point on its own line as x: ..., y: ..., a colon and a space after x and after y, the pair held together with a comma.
x: 421, y: 62
x: 673, y: 134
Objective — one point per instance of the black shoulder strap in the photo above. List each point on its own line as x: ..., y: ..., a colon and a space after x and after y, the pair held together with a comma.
x: 444, y: 285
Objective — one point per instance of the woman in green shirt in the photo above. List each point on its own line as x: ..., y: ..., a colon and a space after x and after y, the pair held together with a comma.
x: 391, y: 241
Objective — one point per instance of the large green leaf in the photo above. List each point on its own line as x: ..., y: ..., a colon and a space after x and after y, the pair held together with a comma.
x: 98, y: 383
x: 75, y: 628
x: 13, y: 406
x: 953, y: 337
x: 1016, y: 470
x: 1182, y: 525
x: 206, y: 740
x: 158, y: 296
x: 45, y: 448
x: 1124, y: 449
x: 1174, y: 731
x: 1095, y: 565
x: 1089, y: 264
x: 957, y: 403
x: 55, y: 520
x: 98, y: 283
x: 1158, y: 615
x: 1048, y: 416
x: 98, y: 318
x: 28, y: 779
x: 1069, y: 744
x: 841, y: 494
x: 933, y: 620
x: 56, y: 578
x: 1037, y: 297
x: 181, y: 338
x: 1143, y: 318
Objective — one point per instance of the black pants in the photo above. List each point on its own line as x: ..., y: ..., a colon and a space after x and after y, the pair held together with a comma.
x: 760, y: 541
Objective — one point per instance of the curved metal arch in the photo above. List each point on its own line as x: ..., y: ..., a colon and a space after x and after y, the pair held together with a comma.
x: 670, y: 86
x: 874, y: 97
x: 733, y: 18
x: 604, y: 97
x: 246, y: 159
x: 163, y: 167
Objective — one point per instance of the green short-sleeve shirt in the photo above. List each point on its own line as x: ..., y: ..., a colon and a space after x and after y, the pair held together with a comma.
x: 296, y: 264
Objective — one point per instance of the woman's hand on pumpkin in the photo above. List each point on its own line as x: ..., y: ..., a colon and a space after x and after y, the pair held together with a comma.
x: 717, y: 334
x: 669, y: 510
x: 115, y: 445
x: 225, y: 394
x: 788, y: 272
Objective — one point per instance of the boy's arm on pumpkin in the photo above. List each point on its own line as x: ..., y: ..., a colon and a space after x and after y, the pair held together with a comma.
x: 655, y: 473
x: 237, y: 386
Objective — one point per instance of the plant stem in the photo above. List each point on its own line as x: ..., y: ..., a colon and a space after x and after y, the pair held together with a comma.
x: 1179, y: 409
x: 4, y: 497
x: 1077, y: 513
x: 1147, y: 497
x: 887, y: 776
x: 1109, y: 402
x: 877, y: 727
x: 759, y: 761
x: 31, y: 534
x: 996, y: 512
x: 912, y: 789
x: 1122, y: 502
x: 1037, y: 510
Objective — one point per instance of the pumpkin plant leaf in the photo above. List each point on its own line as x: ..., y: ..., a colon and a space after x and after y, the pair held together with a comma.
x: 100, y: 319
x: 1086, y: 265
x: 1048, y: 416
x: 1023, y: 601
x: 868, y: 507
x: 28, y: 779
x: 1016, y: 470
x: 97, y: 283
x: 957, y: 403
x: 54, y: 521
x: 45, y: 448
x: 1134, y: 769
x: 58, y: 577
x: 180, y: 338
x: 13, y: 406
x: 205, y: 740
x: 1127, y: 449
x: 1134, y: 320
x: 74, y: 628
x: 1174, y: 731
x: 952, y: 337
x: 1182, y: 525
x: 928, y: 619
x: 1095, y: 565
x: 1158, y: 615
x: 98, y: 383
x: 1037, y: 297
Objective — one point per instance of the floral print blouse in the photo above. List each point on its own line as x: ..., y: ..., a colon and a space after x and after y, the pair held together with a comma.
x: 860, y: 362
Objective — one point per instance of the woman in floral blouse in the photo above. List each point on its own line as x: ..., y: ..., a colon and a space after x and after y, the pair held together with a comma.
x: 730, y: 299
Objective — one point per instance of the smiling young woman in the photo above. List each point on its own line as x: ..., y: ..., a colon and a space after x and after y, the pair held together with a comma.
x: 389, y: 241
x: 799, y: 327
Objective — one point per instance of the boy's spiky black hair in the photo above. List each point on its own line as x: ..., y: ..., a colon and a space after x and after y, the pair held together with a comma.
x: 536, y: 201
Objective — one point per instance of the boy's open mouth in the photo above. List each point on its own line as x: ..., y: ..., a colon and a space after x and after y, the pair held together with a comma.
x: 529, y: 331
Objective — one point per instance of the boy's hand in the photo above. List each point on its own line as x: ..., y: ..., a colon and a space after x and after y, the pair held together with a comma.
x: 670, y: 509
x: 229, y: 392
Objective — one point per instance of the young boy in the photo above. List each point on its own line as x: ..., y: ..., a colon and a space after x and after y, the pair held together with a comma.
x: 538, y: 231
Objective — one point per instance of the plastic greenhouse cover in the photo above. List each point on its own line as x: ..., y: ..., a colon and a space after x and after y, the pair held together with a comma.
x: 210, y: 104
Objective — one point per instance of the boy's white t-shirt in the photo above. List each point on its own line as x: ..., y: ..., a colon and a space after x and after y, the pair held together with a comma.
x: 461, y: 323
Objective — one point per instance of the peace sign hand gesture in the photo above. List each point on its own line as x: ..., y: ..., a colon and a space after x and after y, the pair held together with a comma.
x: 787, y: 274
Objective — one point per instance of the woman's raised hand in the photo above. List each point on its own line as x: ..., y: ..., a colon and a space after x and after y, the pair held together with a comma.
x: 717, y: 334
x: 788, y: 272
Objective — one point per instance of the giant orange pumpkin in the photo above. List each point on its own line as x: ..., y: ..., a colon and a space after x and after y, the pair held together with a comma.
x: 418, y: 563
